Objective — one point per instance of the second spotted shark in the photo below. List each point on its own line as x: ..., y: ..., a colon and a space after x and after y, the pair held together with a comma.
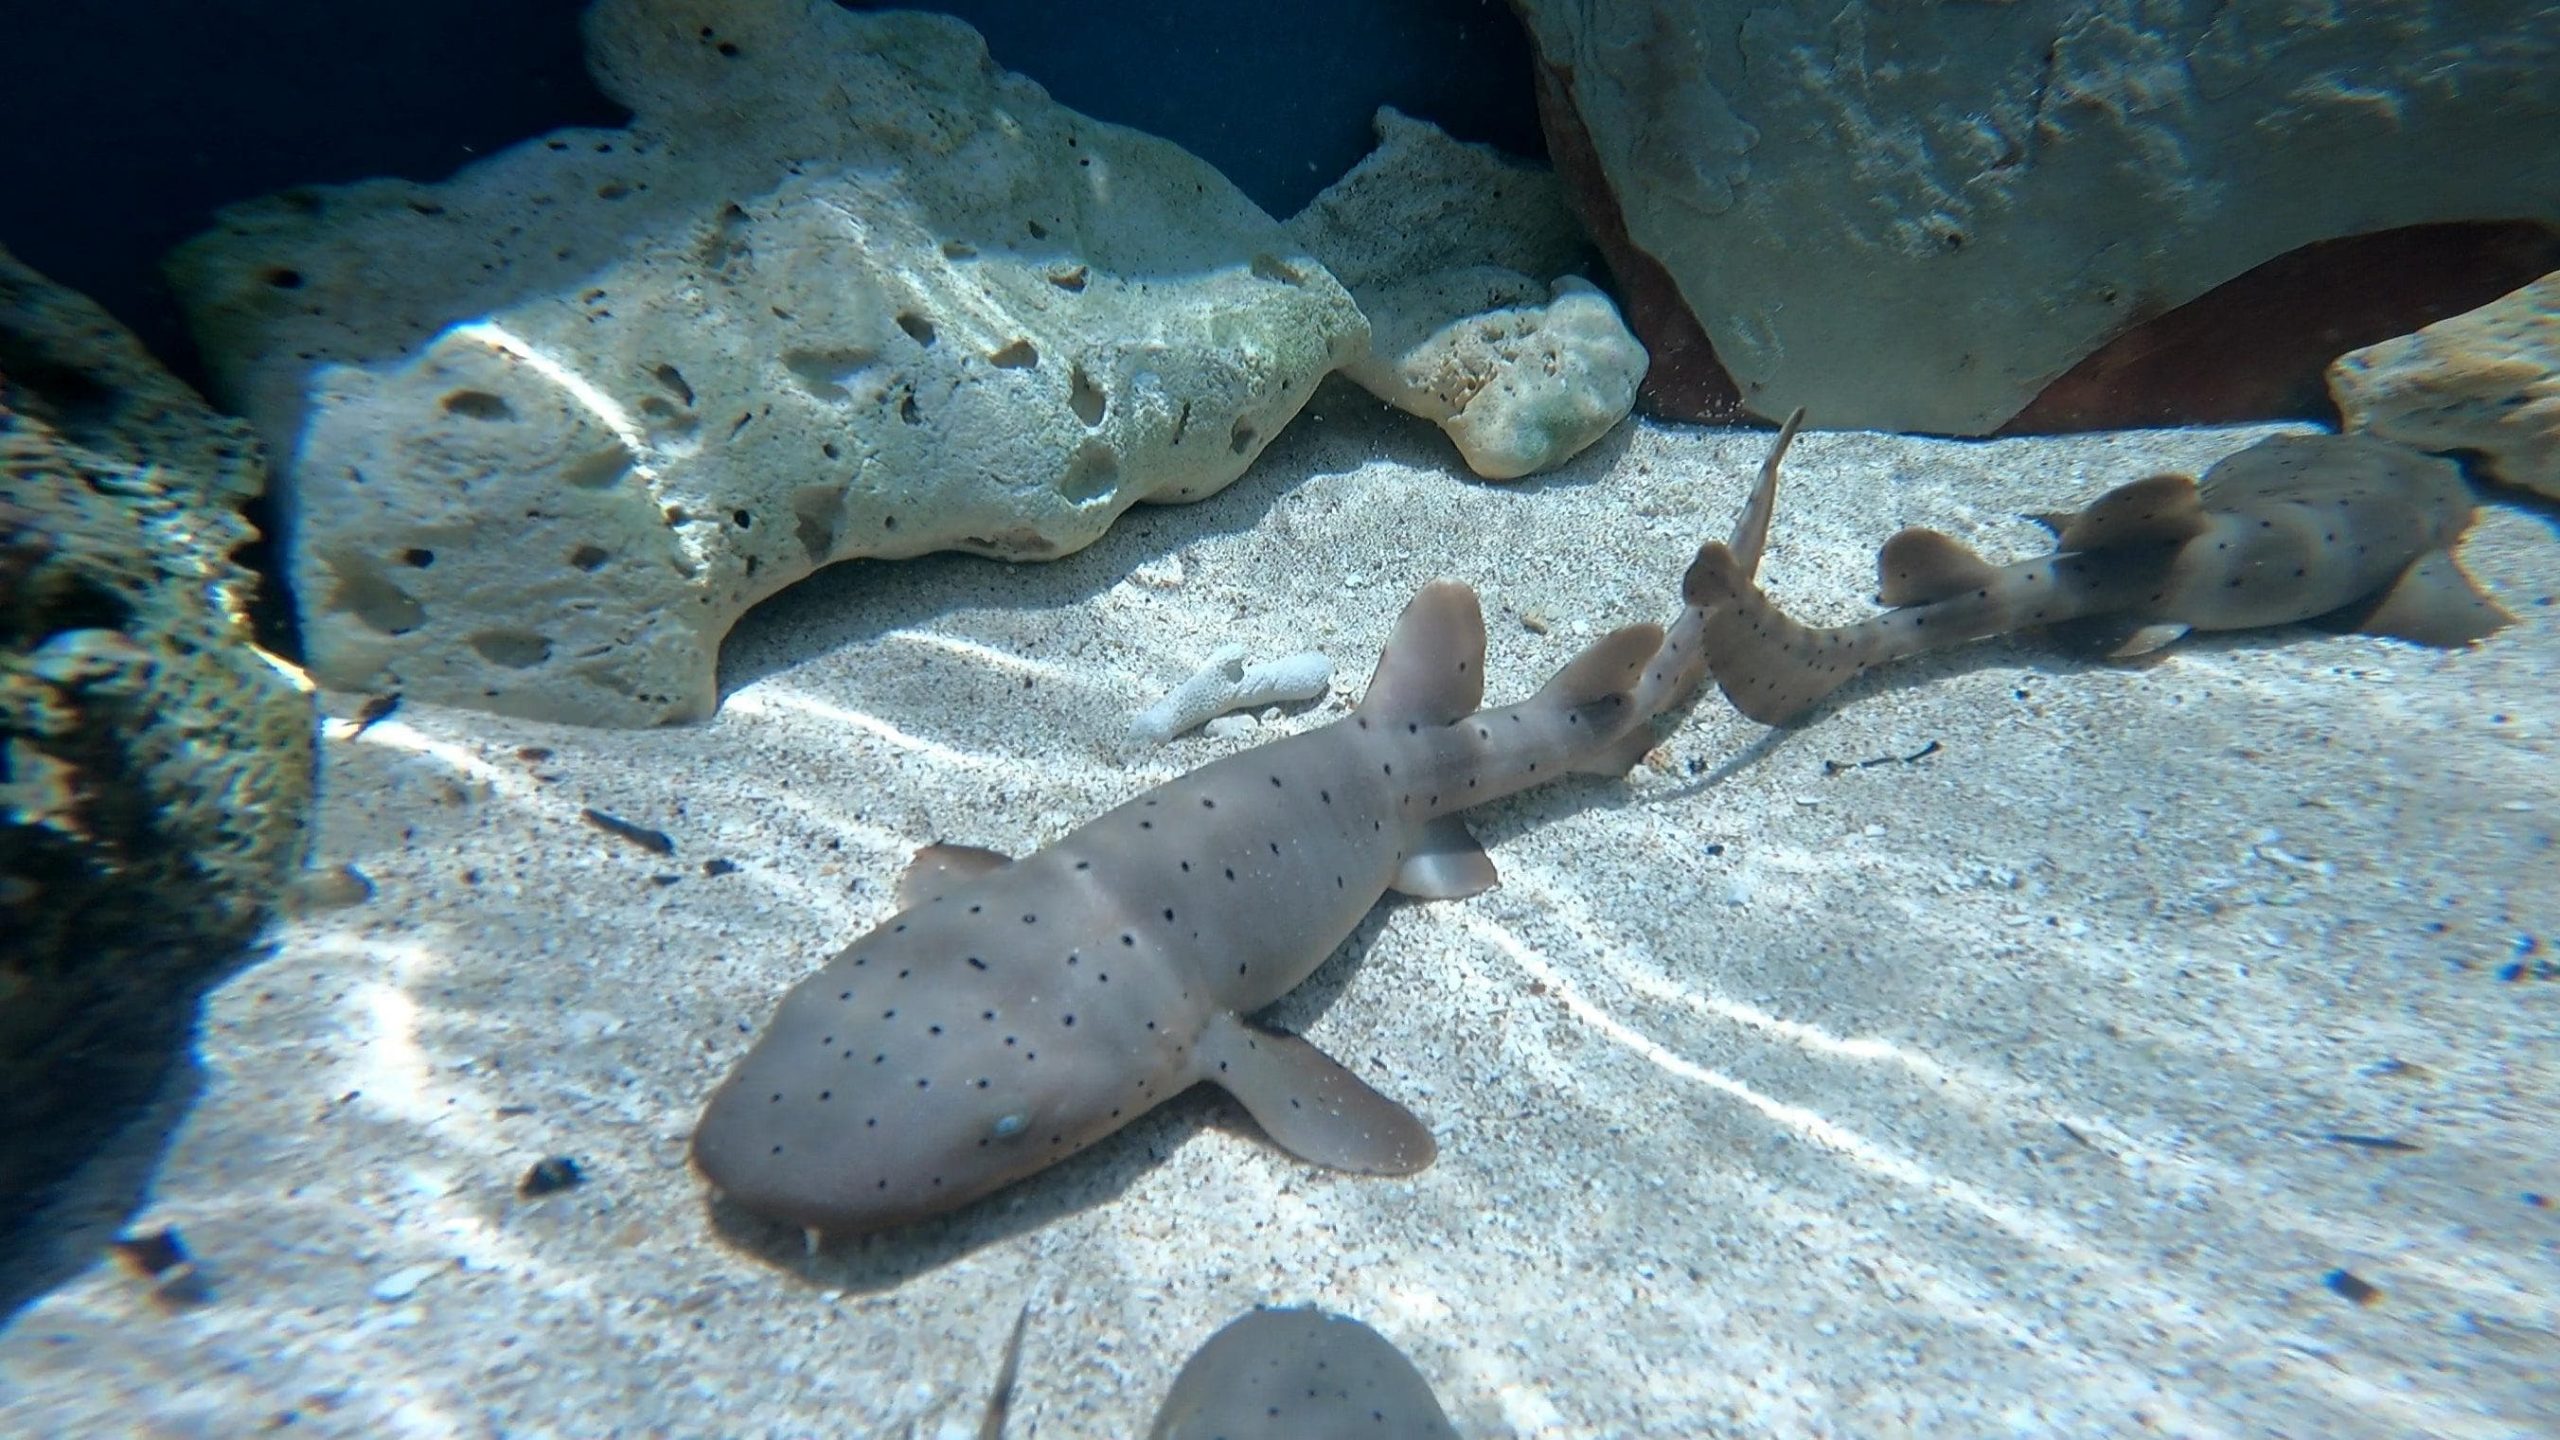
x: 1017, y: 1011
x: 2296, y: 527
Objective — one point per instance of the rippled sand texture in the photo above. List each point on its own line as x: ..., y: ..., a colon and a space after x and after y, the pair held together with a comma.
x: 2002, y: 1088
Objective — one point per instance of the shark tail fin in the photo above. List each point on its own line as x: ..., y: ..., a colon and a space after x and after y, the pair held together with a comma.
x: 1432, y: 670
x: 1918, y: 566
x: 1751, y: 527
x: 2156, y: 510
x: 1597, y: 691
x: 1770, y: 666
x: 1681, y: 665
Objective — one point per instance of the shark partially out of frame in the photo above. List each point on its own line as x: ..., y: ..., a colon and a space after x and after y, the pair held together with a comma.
x: 2344, y: 528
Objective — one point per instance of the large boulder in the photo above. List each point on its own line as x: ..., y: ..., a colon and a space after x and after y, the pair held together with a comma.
x: 1916, y: 217
x: 843, y: 288
x: 155, y: 766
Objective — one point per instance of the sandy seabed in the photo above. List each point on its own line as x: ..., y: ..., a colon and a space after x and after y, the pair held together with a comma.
x: 2029, y: 1086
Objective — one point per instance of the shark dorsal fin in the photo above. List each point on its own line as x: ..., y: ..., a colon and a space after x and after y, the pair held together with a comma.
x: 940, y: 866
x: 1918, y: 566
x: 1432, y: 671
x: 2155, y: 510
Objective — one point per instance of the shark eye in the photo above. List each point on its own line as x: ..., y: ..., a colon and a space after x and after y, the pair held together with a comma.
x: 1007, y: 1126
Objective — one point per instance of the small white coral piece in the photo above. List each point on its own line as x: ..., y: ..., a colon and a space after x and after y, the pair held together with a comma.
x: 1226, y: 684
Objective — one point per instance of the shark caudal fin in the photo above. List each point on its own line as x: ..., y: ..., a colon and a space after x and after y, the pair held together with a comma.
x: 1770, y: 666
x: 1679, y: 666
x: 1432, y: 671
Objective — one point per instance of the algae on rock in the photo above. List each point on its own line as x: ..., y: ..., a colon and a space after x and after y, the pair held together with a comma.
x: 155, y: 766
x: 843, y: 288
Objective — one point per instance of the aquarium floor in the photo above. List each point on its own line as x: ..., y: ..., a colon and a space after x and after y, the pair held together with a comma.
x: 2073, y: 1076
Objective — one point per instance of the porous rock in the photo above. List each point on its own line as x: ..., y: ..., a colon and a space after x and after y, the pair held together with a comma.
x: 2486, y: 381
x: 1450, y: 249
x: 155, y: 766
x: 1916, y: 217
x: 842, y: 288
x: 1522, y: 384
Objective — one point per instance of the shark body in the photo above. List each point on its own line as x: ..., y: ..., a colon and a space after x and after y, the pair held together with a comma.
x: 1275, y: 1373
x: 1287, y: 1374
x: 2296, y: 527
x: 1017, y: 1011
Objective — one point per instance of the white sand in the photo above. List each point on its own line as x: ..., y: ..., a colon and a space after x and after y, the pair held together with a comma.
x: 1987, y: 1093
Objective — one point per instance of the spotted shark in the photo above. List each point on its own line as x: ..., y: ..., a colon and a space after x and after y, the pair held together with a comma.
x: 2342, y: 528
x: 1014, y: 1012
x: 1295, y: 1372
x: 1277, y: 1373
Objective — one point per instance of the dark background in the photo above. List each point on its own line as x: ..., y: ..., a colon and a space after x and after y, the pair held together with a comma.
x: 123, y: 125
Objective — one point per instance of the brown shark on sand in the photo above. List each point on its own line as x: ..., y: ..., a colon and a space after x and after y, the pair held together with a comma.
x: 2296, y: 527
x: 1288, y: 1373
x: 1297, y: 1373
x: 1017, y: 1011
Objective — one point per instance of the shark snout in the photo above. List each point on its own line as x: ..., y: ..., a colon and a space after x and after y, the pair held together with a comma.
x: 852, y: 1158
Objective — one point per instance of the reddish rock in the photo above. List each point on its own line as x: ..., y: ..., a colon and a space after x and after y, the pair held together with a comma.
x: 2256, y: 347
x: 1684, y: 380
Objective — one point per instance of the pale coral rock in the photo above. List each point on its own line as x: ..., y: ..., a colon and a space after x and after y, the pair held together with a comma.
x: 1225, y: 683
x: 1450, y: 249
x: 2485, y: 381
x: 1522, y: 386
x: 843, y: 288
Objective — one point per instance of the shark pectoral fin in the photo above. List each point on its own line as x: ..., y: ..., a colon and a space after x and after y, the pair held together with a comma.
x: 1918, y: 566
x: 2435, y: 603
x: 1432, y: 671
x: 1445, y: 864
x: 2147, y: 639
x: 1309, y: 1105
x: 939, y: 866
x: 2155, y: 510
